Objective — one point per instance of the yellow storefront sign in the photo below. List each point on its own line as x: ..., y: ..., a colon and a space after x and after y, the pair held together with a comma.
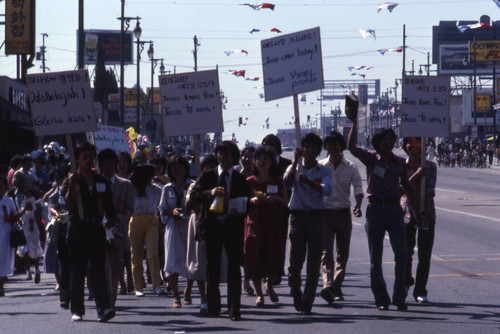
x: 19, y: 26
x: 486, y: 50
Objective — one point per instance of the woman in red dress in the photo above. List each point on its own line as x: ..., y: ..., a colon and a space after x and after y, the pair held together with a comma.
x: 264, y: 240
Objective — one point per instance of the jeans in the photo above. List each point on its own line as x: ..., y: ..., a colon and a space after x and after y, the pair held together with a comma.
x: 379, y: 219
x: 306, y: 236
x: 425, y: 240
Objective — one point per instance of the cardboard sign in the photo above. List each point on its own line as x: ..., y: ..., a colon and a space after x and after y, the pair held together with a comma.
x: 190, y: 103
x: 426, y: 105
x: 61, y: 102
x: 292, y: 64
x: 112, y: 137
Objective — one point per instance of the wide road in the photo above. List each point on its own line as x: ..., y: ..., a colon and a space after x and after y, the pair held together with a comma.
x: 464, y: 285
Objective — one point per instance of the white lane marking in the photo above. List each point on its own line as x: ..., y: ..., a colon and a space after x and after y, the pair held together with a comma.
x: 452, y: 191
x: 469, y: 214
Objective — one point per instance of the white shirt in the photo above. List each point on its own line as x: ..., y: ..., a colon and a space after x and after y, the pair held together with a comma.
x: 148, y: 204
x: 342, y: 177
x: 228, y: 178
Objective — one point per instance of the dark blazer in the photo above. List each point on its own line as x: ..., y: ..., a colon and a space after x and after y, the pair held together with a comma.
x: 201, y: 195
x: 283, y: 164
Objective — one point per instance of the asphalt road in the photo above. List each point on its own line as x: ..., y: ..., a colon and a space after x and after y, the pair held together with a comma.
x: 463, y: 287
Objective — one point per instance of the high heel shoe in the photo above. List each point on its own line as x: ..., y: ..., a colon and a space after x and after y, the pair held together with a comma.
x: 271, y: 293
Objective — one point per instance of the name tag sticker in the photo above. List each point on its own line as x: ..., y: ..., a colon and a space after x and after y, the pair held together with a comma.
x: 101, y: 187
x: 379, y: 171
x: 272, y: 189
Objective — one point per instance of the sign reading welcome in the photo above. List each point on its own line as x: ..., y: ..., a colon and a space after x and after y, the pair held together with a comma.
x: 426, y: 105
x: 292, y: 64
x: 61, y: 102
x: 190, y: 103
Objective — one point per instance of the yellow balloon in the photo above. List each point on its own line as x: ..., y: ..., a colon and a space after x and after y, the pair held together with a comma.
x: 132, y: 135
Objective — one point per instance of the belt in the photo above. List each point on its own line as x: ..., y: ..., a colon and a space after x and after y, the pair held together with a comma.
x: 344, y: 210
x: 383, y: 201
x: 306, y: 212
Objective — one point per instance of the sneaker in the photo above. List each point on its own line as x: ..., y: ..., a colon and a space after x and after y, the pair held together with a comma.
x: 204, y: 309
x: 108, y: 314
x: 422, y: 300
x: 139, y: 294
x: 29, y: 277
x: 37, y: 277
x: 76, y: 317
x: 159, y: 291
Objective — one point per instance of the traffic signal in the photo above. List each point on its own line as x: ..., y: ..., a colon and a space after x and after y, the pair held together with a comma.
x: 240, y: 121
x: 308, y: 118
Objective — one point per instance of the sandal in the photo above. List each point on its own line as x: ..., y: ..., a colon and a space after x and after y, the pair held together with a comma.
x: 271, y: 293
x: 177, y: 303
x: 259, y: 302
x: 187, y: 300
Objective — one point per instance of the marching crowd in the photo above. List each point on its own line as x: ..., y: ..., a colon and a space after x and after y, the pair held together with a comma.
x: 126, y: 223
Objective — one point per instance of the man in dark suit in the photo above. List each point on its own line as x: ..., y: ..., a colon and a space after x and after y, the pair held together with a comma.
x: 274, y: 143
x: 222, y: 229
x: 123, y: 198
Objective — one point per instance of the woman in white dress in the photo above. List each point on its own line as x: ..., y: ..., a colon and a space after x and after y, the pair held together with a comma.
x: 32, y: 251
x: 8, y: 215
x: 176, y: 225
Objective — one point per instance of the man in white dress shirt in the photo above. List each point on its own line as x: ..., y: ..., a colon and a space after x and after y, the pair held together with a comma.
x: 338, y: 223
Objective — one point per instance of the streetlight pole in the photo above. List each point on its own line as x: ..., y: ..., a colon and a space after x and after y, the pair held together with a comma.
x: 140, y: 46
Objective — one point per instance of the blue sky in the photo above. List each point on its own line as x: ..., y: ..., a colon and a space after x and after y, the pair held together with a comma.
x: 223, y: 25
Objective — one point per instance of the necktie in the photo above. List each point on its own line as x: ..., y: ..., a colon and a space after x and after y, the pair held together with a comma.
x: 223, y: 184
x: 6, y: 217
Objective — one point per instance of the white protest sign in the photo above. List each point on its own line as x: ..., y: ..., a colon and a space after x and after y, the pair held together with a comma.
x: 112, y: 137
x: 426, y: 105
x: 61, y: 102
x: 190, y: 103
x: 292, y: 64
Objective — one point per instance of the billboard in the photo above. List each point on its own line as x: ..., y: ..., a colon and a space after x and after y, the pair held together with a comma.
x: 19, y: 27
x: 486, y: 50
x: 109, y: 42
x: 456, y: 59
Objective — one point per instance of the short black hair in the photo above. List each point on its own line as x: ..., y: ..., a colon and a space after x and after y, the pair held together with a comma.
x: 407, y: 139
x: 178, y: 159
x: 272, y: 140
x: 246, y: 149
x: 227, y: 145
x: 377, y: 138
x: 84, y: 147
x: 333, y: 137
x: 209, y: 159
x: 15, y: 161
x: 314, y: 139
x: 106, y: 154
x: 26, y: 157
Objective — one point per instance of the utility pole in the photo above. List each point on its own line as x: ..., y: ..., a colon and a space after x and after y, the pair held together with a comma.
x: 42, y: 51
x: 81, y: 35
x: 195, y: 53
x: 122, y: 66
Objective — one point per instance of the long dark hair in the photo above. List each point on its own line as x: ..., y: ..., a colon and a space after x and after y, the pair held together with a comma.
x: 265, y: 150
x: 141, y: 177
x: 177, y: 159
